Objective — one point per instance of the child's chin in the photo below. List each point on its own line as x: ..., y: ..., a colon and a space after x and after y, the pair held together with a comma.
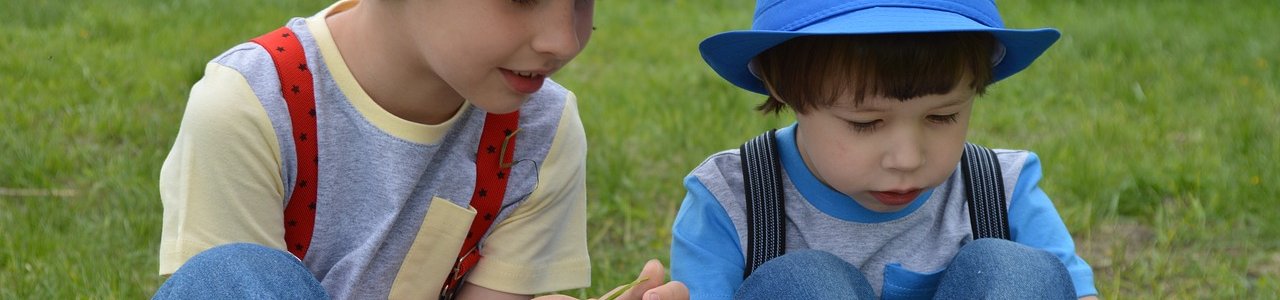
x: 505, y: 106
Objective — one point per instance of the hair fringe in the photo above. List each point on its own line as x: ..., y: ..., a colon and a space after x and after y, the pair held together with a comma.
x: 818, y: 71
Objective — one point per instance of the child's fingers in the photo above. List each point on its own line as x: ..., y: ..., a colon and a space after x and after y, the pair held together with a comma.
x: 555, y: 297
x: 652, y: 275
x: 674, y: 290
x: 655, y: 275
x: 612, y: 294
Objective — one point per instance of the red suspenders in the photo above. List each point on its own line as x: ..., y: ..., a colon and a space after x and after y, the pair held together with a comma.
x: 494, y: 157
x: 295, y: 84
x: 493, y: 164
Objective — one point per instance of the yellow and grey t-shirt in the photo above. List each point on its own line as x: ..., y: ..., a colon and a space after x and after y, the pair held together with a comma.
x: 393, y: 195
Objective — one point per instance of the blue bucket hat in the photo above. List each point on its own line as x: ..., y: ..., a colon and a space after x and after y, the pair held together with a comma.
x: 776, y: 21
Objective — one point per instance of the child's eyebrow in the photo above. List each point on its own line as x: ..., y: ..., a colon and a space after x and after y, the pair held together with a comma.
x: 865, y: 106
x: 955, y: 101
x: 868, y: 106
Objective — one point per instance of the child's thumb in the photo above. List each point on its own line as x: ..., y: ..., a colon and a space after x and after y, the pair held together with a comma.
x: 654, y: 275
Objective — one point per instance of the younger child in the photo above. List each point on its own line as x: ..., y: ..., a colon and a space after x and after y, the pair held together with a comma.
x: 872, y: 185
x: 372, y: 169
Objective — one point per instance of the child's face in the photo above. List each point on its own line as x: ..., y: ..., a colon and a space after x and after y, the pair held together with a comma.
x: 495, y: 53
x: 885, y: 152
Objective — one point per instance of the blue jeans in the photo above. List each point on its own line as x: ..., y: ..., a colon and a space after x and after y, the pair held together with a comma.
x: 984, y: 269
x: 242, y: 271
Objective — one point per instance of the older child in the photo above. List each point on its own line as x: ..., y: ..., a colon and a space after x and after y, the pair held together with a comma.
x: 373, y: 168
x: 873, y: 195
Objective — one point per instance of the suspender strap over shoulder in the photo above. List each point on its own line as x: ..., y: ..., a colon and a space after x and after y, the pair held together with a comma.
x: 988, y: 213
x: 296, y: 86
x: 766, y: 218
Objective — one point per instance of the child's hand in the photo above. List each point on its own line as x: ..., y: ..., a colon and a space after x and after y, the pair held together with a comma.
x: 649, y: 286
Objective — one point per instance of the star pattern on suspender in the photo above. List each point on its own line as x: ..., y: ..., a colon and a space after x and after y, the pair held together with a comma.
x: 489, y: 191
x: 296, y: 88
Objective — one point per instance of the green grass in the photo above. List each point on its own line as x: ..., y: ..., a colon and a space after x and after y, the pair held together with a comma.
x: 1154, y: 119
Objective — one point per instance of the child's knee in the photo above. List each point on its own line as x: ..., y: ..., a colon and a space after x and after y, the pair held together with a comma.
x: 805, y: 274
x: 809, y: 263
x: 997, y: 257
x: 242, y: 271
x: 804, y: 257
x: 1001, y: 252
x: 242, y: 256
x: 1005, y: 269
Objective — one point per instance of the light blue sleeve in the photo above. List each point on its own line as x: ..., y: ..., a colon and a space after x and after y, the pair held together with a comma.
x: 1033, y: 221
x: 705, y: 253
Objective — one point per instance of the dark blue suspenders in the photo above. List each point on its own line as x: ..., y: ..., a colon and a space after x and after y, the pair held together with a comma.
x: 766, y: 218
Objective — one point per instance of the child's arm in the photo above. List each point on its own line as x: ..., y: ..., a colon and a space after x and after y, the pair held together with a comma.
x: 221, y: 181
x: 705, y: 252
x: 1034, y: 221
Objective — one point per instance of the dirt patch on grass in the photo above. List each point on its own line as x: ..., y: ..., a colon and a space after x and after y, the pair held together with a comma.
x: 1267, y: 267
x: 1186, y: 260
x: 1110, y: 243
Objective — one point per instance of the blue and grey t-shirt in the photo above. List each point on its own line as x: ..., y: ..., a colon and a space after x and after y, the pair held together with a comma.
x: 901, y: 253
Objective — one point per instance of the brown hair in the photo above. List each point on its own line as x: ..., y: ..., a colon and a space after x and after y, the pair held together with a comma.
x: 813, y: 72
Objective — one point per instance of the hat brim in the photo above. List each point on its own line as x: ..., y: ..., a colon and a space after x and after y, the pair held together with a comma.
x: 730, y: 53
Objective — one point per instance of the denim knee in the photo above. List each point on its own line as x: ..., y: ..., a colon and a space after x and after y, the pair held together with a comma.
x: 806, y: 274
x: 998, y: 254
x: 241, y: 271
x: 996, y: 268
x: 243, y: 255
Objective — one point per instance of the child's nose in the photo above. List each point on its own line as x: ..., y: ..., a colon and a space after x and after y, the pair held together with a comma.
x: 905, y: 154
x: 561, y: 36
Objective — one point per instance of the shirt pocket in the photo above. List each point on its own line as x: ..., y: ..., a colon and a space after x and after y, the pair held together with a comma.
x: 433, y: 252
x: 900, y: 283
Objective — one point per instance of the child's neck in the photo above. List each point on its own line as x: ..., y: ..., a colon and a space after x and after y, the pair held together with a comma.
x: 387, y: 68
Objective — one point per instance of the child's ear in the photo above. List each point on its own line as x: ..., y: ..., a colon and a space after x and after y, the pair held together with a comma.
x: 997, y: 54
x: 754, y: 68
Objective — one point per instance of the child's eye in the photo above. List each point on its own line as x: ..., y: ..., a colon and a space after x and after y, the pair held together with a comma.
x: 943, y: 119
x: 864, y: 127
x: 525, y: 2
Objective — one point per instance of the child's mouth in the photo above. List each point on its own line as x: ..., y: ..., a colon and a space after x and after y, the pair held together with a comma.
x: 524, y: 82
x: 896, y: 198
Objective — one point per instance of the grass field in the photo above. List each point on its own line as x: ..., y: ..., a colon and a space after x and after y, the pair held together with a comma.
x: 1154, y: 119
